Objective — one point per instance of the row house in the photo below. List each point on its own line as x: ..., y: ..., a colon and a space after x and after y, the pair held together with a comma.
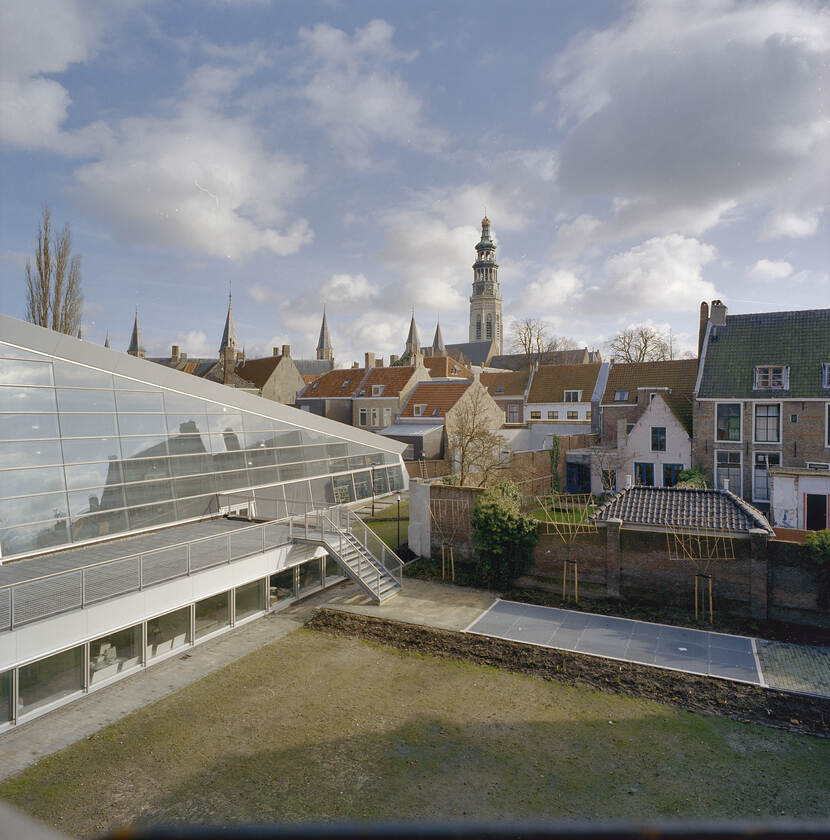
x: 563, y: 395
x: 509, y: 390
x: 762, y: 409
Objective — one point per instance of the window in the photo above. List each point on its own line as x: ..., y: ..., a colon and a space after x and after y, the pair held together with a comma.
x: 572, y: 396
x: 827, y: 425
x: 377, y: 390
x: 553, y: 415
x: 500, y: 389
x: 793, y: 418
x: 629, y: 427
x: 728, y: 467
x: 363, y: 417
x: 478, y: 330
x: 345, y: 383
x: 760, y: 474
x: 535, y: 415
x: 658, y: 438
x: 728, y: 423
x: 418, y: 410
x: 620, y: 396
x: 387, y: 416
x: 436, y: 412
x: 769, y: 377
x: 588, y: 414
x: 644, y: 474
x: 767, y: 425
x: 513, y: 414
x: 609, y: 481
x: 670, y: 474
x: 573, y: 415
x: 489, y: 327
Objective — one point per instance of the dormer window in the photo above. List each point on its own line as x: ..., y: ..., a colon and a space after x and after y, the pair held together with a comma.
x: 345, y: 383
x: 770, y: 377
x: 436, y: 412
x: 620, y: 396
x: 314, y: 386
x: 500, y: 389
x: 418, y: 410
x: 572, y: 396
x: 377, y: 390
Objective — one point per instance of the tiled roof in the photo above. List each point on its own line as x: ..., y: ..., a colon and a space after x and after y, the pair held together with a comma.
x: 706, y: 510
x: 313, y: 367
x: 471, y: 352
x: 437, y: 397
x: 510, y: 384
x: 798, y: 339
x: 258, y: 371
x: 342, y: 382
x: 551, y: 381
x: 444, y: 366
x: 518, y: 361
x: 210, y: 369
x: 393, y: 380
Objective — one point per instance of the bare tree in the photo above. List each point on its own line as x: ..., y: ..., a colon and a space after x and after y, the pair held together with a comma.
x: 609, y: 461
x: 532, y: 337
x: 478, y: 451
x: 640, y: 343
x: 53, y: 286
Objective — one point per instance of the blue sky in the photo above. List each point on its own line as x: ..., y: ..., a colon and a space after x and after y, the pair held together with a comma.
x: 634, y: 159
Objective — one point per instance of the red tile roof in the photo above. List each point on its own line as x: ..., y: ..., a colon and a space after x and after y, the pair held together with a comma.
x: 436, y: 397
x: 342, y: 382
x: 258, y: 371
x: 511, y: 384
x: 551, y: 381
x: 444, y: 366
x: 393, y: 380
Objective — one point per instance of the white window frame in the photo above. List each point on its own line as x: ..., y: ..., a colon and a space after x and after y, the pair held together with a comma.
x: 825, y: 375
x: 513, y: 411
x: 418, y: 410
x: 740, y: 424
x: 569, y: 398
x: 623, y: 398
x: 780, y: 422
x: 785, y: 378
x: 377, y: 390
x: 767, y: 452
x: 374, y: 416
x: 363, y: 417
x: 387, y: 416
x: 740, y: 490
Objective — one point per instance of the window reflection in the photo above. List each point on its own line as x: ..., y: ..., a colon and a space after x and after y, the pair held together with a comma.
x: 27, y: 399
x: 76, y: 376
x: 38, y: 480
x: 76, y: 400
x: 18, y: 372
x: 87, y: 425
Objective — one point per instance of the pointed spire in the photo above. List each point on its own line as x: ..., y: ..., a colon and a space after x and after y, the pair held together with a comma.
x: 229, y: 337
x: 438, y: 348
x: 324, y: 348
x: 413, y: 340
x: 136, y: 347
x: 107, y: 340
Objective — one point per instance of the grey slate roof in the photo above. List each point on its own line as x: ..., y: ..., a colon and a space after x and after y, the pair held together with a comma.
x: 705, y: 510
x: 313, y: 367
x: 473, y: 352
x: 798, y: 339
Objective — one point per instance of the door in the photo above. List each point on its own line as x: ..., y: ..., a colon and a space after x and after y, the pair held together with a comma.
x: 816, y: 512
x: 577, y: 478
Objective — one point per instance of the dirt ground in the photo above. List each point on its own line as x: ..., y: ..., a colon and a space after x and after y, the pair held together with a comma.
x: 318, y: 727
x: 698, y: 694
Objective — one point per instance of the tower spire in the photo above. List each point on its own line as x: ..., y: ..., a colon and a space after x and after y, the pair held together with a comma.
x: 438, y: 348
x: 413, y: 340
x: 229, y: 337
x: 107, y: 339
x: 136, y: 347
x: 324, y: 348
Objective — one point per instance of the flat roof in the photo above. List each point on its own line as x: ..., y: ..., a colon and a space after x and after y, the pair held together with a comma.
x: 411, y: 429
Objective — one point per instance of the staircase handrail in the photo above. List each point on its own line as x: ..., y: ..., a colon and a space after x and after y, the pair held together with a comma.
x: 397, y: 571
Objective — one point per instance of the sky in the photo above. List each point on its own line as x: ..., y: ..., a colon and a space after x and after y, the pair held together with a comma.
x: 634, y: 158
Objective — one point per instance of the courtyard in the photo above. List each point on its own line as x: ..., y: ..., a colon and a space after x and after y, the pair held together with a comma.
x: 316, y: 728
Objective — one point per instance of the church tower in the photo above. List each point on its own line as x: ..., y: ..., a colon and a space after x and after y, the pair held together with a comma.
x: 485, y: 302
x: 325, y: 352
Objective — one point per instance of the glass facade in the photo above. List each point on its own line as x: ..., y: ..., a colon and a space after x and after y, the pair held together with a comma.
x: 50, y: 679
x: 168, y: 632
x: 85, y: 454
x: 281, y: 588
x: 311, y: 576
x: 6, y: 697
x: 250, y: 599
x: 212, y: 614
x: 112, y: 654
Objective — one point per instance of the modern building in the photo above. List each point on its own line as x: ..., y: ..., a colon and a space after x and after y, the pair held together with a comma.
x: 143, y: 510
x: 762, y: 398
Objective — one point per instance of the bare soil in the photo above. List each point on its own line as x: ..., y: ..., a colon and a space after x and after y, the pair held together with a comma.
x: 725, y: 698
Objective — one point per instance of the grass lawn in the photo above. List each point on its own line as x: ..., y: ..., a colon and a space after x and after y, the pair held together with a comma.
x: 385, y: 524
x: 580, y: 515
x: 318, y: 728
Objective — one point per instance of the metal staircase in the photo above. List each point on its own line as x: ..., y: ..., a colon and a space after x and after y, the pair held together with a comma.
x: 369, y: 562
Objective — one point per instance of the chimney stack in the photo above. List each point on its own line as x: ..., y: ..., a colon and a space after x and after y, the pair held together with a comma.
x: 701, y: 333
x: 379, y: 362
x: 725, y: 484
x: 629, y: 481
x: 174, y: 353
x: 355, y: 365
x: 393, y: 357
x: 286, y: 350
x: 276, y: 352
x: 369, y: 360
x: 182, y: 357
x: 717, y: 314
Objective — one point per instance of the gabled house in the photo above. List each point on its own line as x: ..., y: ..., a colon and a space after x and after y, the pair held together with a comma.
x: 377, y: 402
x: 330, y: 395
x: 276, y: 376
x: 562, y: 395
x: 509, y: 390
x: 519, y: 361
x: 762, y: 402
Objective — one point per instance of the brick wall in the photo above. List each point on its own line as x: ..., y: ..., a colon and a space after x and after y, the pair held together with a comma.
x: 534, y: 464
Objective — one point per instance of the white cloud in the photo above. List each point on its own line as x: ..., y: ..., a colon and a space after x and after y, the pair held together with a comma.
x: 793, y: 225
x: 663, y: 274
x: 196, y: 180
x: 663, y: 116
x: 766, y: 271
x: 550, y: 292
x: 195, y: 343
x: 356, y: 97
x: 348, y: 289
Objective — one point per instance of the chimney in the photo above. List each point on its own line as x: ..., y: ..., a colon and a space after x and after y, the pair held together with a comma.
x: 276, y: 352
x: 629, y: 481
x: 369, y: 360
x: 379, y: 362
x: 286, y: 350
x: 174, y: 353
x: 725, y: 482
x: 621, y: 426
x: 355, y: 365
x: 701, y: 332
x: 393, y: 357
x: 717, y: 314
x: 182, y: 357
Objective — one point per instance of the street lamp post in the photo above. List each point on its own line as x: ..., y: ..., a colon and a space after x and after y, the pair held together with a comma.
x: 399, y: 521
